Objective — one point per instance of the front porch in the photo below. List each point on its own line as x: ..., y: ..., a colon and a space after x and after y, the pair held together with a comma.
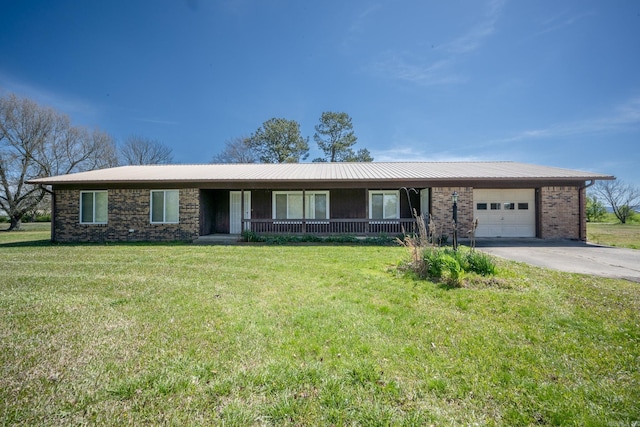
x: 333, y: 226
x: 343, y: 211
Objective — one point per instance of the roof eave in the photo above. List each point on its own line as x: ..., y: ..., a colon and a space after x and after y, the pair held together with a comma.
x: 48, y: 181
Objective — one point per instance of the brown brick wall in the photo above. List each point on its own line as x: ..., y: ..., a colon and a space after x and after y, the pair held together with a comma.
x: 560, y: 213
x: 442, y: 209
x: 127, y: 210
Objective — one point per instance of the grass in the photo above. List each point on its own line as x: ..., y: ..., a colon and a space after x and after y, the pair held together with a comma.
x: 614, y: 234
x: 312, y: 335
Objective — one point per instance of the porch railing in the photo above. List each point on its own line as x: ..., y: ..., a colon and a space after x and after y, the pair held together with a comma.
x: 330, y: 226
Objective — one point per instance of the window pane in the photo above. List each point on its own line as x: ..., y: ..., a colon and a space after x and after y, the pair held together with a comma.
x: 495, y: 206
x: 172, y: 205
x: 157, y: 206
x: 390, y: 206
x: 481, y: 206
x: 377, y: 201
x: 86, y: 211
x: 281, y: 206
x: 309, y: 205
x: 101, y: 206
x: 295, y: 206
x: 509, y: 206
x: 523, y: 206
x: 320, y: 206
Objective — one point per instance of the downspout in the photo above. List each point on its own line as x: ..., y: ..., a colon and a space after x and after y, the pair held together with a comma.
x: 583, y: 214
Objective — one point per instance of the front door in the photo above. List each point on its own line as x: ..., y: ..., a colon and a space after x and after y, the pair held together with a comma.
x: 235, y: 209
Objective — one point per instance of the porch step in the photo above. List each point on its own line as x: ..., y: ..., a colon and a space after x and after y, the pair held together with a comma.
x: 218, y: 239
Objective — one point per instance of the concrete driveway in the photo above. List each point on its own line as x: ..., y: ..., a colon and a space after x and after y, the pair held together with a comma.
x: 568, y: 255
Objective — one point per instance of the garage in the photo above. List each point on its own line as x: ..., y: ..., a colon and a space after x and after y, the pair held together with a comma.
x: 505, y: 212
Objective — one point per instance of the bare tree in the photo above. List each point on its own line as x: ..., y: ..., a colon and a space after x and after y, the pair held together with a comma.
x: 37, y: 141
x: 75, y: 149
x: 236, y: 150
x: 138, y: 150
x: 623, y: 198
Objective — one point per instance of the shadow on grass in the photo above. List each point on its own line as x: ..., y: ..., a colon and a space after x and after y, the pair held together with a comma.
x: 49, y: 243
x: 28, y: 244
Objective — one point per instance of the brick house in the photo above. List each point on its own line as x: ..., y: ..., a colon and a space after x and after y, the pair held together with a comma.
x: 183, y: 202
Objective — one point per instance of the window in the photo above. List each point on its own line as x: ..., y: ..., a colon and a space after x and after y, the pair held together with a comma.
x: 288, y: 205
x: 481, y: 206
x: 523, y: 206
x: 509, y: 206
x: 384, y: 204
x: 165, y: 206
x: 93, y: 207
x: 495, y: 206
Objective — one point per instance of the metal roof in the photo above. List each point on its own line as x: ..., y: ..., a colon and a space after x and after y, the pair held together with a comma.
x: 321, y: 172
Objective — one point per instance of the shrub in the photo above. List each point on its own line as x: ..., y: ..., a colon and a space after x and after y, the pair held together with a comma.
x: 480, y: 263
x: 447, y: 265
x: 43, y: 218
x: 442, y: 264
x: 595, y: 210
x: 283, y: 239
x: 250, y: 236
x: 432, y: 264
x: 452, y: 269
x: 4, y: 219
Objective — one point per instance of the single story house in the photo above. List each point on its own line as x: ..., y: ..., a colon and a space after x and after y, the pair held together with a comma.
x: 183, y: 202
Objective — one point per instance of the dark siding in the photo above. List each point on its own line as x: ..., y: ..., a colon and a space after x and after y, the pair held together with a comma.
x: 261, y: 204
x: 348, y: 203
x: 214, y: 211
x: 207, y: 204
x: 406, y: 207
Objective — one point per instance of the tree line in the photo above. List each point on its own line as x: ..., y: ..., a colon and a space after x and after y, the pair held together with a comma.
x: 279, y: 140
x: 37, y: 141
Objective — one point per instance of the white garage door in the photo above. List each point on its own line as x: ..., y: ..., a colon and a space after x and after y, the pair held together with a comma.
x: 505, y: 213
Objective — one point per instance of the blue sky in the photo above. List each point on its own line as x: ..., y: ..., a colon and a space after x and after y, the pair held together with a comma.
x: 547, y: 82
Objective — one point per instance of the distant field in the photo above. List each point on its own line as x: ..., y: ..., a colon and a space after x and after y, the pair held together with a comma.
x: 30, y: 231
x: 611, y: 234
x: 152, y: 334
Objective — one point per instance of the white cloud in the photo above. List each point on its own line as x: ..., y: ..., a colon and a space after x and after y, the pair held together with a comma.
x: 475, y: 37
x: 624, y: 117
x: 65, y: 103
x: 403, y: 67
x: 413, y: 68
x: 357, y: 27
x: 156, y: 121
x: 410, y: 154
x: 560, y: 21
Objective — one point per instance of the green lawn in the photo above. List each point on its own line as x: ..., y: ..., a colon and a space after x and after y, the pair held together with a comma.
x: 614, y: 234
x: 304, y: 335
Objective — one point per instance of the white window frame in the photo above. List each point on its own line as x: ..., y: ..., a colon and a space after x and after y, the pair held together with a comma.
x: 308, y: 202
x: 164, y: 207
x: 93, y: 214
x: 384, y: 193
